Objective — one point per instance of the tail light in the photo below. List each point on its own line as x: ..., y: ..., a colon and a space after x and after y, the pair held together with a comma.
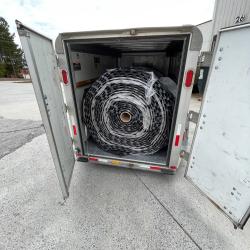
x: 65, y: 76
x: 74, y: 130
x: 189, y: 78
x: 93, y: 159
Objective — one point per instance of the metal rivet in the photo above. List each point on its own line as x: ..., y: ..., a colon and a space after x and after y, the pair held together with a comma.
x: 232, y: 193
x: 201, y: 127
x: 220, y: 58
x: 234, y: 188
x: 204, y: 115
x: 221, y: 48
x: 216, y: 67
x: 132, y: 32
x: 225, y: 207
x: 230, y: 212
x: 203, y: 122
x: 191, y: 166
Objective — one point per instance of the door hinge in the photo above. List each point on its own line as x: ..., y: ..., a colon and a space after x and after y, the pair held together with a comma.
x: 184, y: 155
x: 45, y: 98
x: 57, y: 61
x: 193, y: 116
x: 66, y: 107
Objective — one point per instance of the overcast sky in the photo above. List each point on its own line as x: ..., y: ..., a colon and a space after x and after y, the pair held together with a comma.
x: 53, y: 16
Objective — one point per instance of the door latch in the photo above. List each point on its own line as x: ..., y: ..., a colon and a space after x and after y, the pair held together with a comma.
x: 184, y: 155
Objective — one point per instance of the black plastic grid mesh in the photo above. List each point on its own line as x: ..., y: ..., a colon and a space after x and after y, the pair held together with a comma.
x: 137, y: 92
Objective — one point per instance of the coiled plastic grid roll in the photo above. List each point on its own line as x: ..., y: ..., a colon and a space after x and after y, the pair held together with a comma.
x: 127, y: 111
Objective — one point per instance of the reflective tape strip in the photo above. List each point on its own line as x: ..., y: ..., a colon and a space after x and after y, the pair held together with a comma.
x: 177, y: 140
x: 103, y: 160
x: 173, y: 167
x: 92, y: 159
x: 177, y: 136
x: 155, y: 168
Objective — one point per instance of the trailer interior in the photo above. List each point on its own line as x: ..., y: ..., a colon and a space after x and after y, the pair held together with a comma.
x: 89, y: 59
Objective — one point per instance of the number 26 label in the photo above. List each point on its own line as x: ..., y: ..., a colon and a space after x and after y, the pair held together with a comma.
x: 240, y: 19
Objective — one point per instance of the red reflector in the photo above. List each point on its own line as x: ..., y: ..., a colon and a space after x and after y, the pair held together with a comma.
x: 177, y: 140
x: 93, y: 159
x: 74, y: 130
x: 189, y: 78
x: 64, y: 76
x: 155, y: 168
x: 173, y: 167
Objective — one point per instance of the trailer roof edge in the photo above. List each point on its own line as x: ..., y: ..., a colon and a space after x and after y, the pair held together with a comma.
x: 195, y: 44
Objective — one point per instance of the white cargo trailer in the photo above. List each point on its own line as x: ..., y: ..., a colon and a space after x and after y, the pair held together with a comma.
x: 219, y: 162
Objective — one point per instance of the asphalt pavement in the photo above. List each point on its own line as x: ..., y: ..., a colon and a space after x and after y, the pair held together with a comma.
x: 108, y: 207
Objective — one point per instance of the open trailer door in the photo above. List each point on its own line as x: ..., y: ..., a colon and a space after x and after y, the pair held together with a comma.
x: 41, y: 60
x: 219, y: 163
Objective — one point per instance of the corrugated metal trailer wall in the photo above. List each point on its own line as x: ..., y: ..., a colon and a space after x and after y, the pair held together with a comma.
x: 229, y: 13
x: 206, y: 31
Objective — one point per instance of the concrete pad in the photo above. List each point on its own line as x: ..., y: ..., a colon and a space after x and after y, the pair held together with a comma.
x: 108, y: 208
x: 198, y: 216
x: 15, y: 133
x: 18, y: 101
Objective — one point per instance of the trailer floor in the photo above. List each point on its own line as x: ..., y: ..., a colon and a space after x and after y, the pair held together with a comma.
x: 158, y: 158
x: 108, y: 208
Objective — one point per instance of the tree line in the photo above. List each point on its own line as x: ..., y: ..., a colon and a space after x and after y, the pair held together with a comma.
x: 11, y: 56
